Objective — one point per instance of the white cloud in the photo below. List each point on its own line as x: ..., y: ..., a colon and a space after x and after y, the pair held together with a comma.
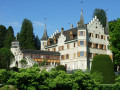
x: 38, y: 24
x: 14, y: 24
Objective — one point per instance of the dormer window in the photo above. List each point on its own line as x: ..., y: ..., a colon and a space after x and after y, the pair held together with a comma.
x: 71, y: 35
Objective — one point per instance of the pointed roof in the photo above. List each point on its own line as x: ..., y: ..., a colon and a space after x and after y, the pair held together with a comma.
x: 106, y: 31
x: 81, y: 24
x: 45, y: 36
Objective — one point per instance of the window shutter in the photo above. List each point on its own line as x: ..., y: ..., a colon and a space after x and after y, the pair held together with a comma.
x: 84, y: 33
x: 93, y: 45
x: 104, y: 37
x: 85, y: 43
x: 79, y: 33
x: 92, y: 34
x: 111, y: 56
x: 105, y: 47
x: 78, y: 54
x: 85, y: 53
x: 78, y: 43
x: 93, y: 54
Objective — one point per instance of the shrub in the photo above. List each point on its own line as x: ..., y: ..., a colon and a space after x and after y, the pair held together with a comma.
x: 104, y: 65
x: 61, y: 67
x: 97, y: 76
x: 15, y: 69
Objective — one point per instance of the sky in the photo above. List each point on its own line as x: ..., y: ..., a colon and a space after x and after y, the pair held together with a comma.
x: 59, y: 13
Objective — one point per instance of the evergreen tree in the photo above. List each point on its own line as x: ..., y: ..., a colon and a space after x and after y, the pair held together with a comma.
x: 9, y: 37
x: 3, y: 32
x: 37, y: 42
x: 27, y: 35
x: 104, y: 65
x: 6, y: 58
x: 101, y: 15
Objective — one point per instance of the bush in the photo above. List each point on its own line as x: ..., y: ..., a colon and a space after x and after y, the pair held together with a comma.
x: 61, y: 67
x: 104, y: 65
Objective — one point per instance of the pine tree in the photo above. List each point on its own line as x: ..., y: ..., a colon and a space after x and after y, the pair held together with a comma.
x: 37, y: 42
x: 9, y: 37
x: 27, y: 35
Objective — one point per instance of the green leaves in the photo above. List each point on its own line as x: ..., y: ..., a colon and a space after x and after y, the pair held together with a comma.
x: 101, y: 15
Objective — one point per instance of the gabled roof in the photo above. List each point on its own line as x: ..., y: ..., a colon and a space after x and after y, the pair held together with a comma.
x: 66, y: 34
x: 106, y: 31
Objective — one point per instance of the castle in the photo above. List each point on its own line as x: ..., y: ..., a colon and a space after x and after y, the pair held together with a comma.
x: 78, y: 46
x: 73, y: 48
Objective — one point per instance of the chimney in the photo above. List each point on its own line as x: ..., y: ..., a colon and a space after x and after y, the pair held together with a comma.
x: 77, y: 24
x: 71, y: 26
x: 62, y: 30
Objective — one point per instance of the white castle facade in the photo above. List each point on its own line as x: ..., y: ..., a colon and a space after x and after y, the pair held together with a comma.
x: 78, y: 46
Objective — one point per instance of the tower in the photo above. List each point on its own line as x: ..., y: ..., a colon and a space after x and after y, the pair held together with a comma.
x: 82, y: 43
x: 44, y: 39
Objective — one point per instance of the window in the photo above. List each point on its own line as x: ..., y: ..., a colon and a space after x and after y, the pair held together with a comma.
x: 96, y: 35
x: 96, y: 45
x: 90, y: 34
x: 90, y: 44
x: 43, y: 43
x: 81, y: 42
x: 74, y: 44
x: 101, y: 36
x: 81, y: 53
x: 108, y: 38
x: 81, y: 33
x: 61, y: 48
x: 62, y: 56
x: 67, y: 56
x: 90, y: 55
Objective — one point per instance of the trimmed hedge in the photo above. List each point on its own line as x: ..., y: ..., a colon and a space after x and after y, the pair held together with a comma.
x: 104, y: 65
x: 61, y: 67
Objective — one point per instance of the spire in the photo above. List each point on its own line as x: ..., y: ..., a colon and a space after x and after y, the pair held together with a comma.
x: 106, y: 31
x: 81, y: 24
x: 45, y: 36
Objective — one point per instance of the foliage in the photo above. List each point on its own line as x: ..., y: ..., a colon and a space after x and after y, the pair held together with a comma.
x: 3, y: 33
x: 61, y: 67
x: 6, y: 57
x: 114, y: 41
x: 108, y: 87
x: 104, y: 65
x: 4, y: 76
x: 23, y: 62
x: 101, y: 15
x: 8, y: 87
x: 43, y: 62
x: 35, y: 65
x: 9, y: 37
x: 26, y: 35
x: 37, y: 42
x: 97, y: 76
x: 118, y: 81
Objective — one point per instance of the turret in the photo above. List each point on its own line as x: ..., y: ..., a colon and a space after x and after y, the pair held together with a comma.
x: 44, y: 39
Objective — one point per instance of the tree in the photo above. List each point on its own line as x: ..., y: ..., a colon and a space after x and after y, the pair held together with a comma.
x: 114, y: 41
x: 23, y: 63
x: 3, y: 32
x: 37, y: 42
x: 101, y: 15
x: 9, y: 37
x: 6, y: 57
x: 104, y: 65
x: 27, y: 35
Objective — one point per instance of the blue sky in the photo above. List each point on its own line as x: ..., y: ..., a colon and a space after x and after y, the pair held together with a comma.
x: 58, y: 13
